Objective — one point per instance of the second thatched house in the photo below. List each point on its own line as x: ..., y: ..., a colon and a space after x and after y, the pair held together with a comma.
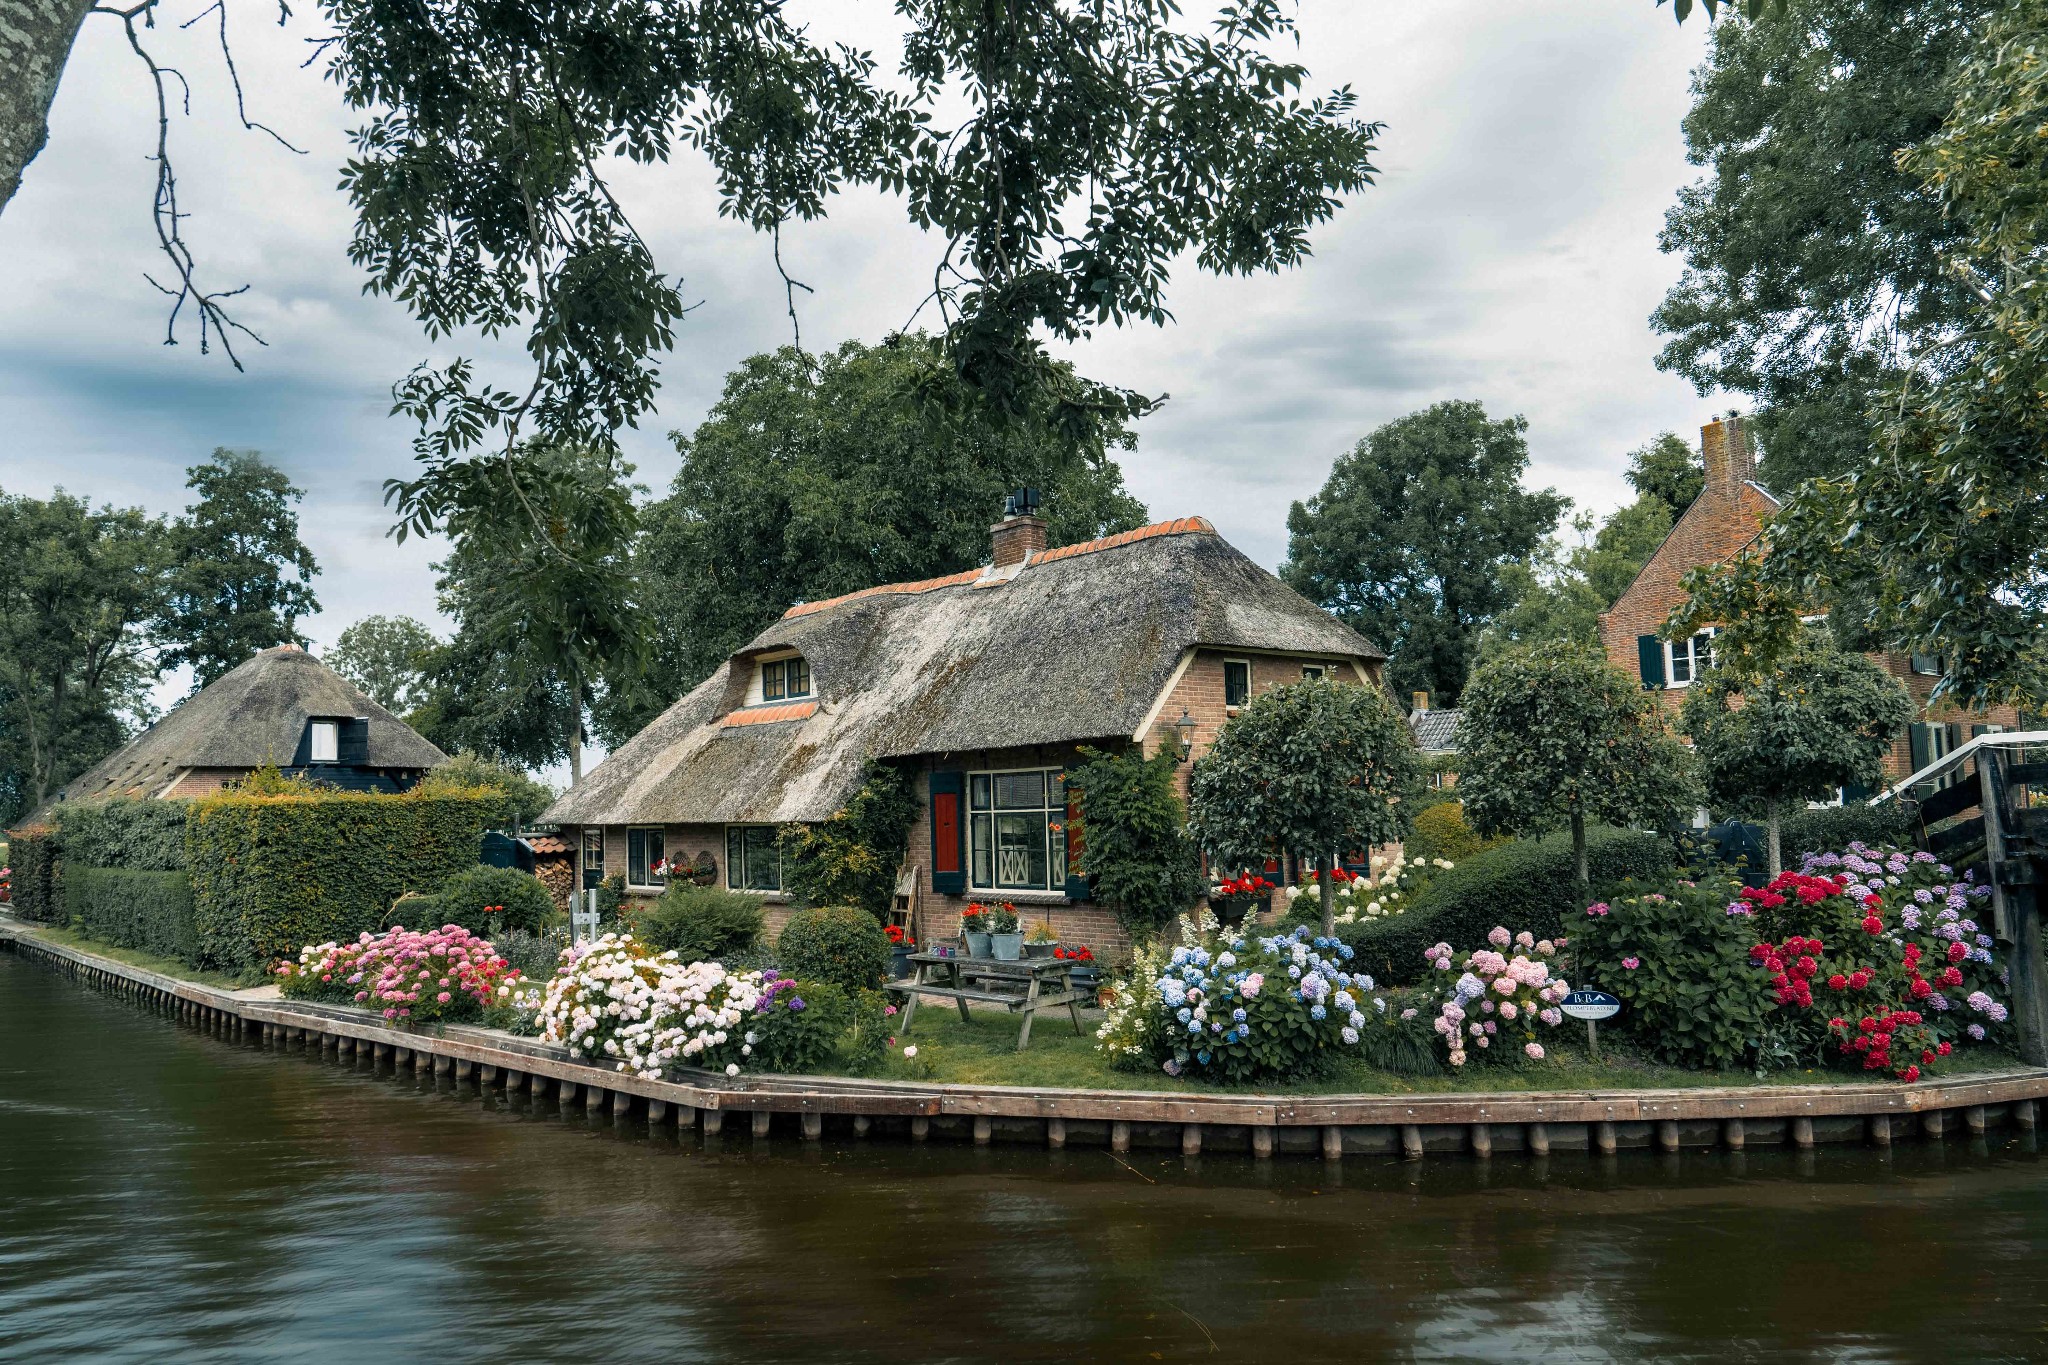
x: 987, y: 682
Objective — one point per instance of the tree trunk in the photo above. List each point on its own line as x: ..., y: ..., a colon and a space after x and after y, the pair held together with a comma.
x: 575, y: 732
x: 35, y: 42
x: 1328, y: 893
x: 1771, y: 824
x: 1580, y: 869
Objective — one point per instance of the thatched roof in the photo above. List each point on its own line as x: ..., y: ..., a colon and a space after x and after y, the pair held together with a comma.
x: 254, y: 715
x: 1074, y: 647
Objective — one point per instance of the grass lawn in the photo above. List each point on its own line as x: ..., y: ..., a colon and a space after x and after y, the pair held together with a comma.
x: 150, y: 962
x: 983, y: 1051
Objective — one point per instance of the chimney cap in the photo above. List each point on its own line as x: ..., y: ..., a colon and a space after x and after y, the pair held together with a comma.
x: 1022, y: 503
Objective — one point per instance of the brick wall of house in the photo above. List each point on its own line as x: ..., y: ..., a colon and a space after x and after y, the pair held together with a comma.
x: 205, y: 782
x: 1725, y: 518
x: 678, y: 840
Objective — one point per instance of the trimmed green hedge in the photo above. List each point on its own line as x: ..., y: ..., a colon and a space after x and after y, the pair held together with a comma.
x: 133, y: 908
x: 703, y: 923
x: 271, y: 874
x: 1833, y: 828
x: 1528, y: 884
x: 33, y: 853
x: 129, y: 832
x: 521, y: 901
x: 840, y: 944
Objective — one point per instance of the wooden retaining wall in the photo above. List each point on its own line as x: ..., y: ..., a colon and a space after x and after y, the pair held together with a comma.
x: 1333, y: 1126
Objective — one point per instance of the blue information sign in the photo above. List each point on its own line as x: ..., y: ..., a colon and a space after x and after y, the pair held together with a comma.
x: 1591, y: 1005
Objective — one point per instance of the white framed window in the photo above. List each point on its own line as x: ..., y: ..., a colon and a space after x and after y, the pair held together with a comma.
x: 753, y: 858
x: 646, y: 857
x: 1017, y: 830
x: 1926, y: 665
x: 1309, y: 671
x: 593, y: 857
x: 1237, y: 681
x: 785, y: 679
x: 326, y: 742
x: 1686, y: 660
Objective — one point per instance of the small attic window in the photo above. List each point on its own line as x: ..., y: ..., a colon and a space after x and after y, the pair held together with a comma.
x: 785, y: 679
x: 325, y: 744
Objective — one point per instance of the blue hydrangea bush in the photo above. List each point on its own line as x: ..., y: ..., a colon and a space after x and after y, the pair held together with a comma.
x: 1248, y: 1009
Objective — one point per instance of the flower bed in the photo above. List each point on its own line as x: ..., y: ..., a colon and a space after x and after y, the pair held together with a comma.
x: 1499, y: 1005
x: 1384, y: 891
x: 404, y: 974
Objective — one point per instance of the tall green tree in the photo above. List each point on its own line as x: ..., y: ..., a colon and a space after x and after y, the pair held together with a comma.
x: 1313, y: 769
x: 243, y: 577
x: 1552, y: 735
x: 1560, y: 591
x: 388, y: 658
x: 79, y: 593
x: 1813, y: 261
x: 1822, y: 719
x: 815, y: 476
x: 542, y: 588
x: 1670, y: 470
x: 1412, y: 537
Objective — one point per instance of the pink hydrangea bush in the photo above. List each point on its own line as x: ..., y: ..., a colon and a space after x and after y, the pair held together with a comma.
x: 408, y: 976
x: 1500, y: 1007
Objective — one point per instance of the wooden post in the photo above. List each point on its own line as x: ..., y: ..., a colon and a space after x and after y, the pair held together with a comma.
x: 1333, y: 1142
x: 814, y: 1126
x: 1667, y: 1135
x: 464, y: 1068
x: 622, y: 1104
x: 1055, y: 1133
x: 1411, y: 1142
x: 714, y: 1122
x: 2016, y: 916
x: 1802, y: 1132
x: 861, y: 1124
x: 1973, y: 1119
x: 2023, y: 1115
x: 762, y: 1120
x: 1262, y: 1141
x: 1880, y: 1130
x: 1538, y: 1140
x: 1732, y: 1134
x: 1482, y: 1140
x: 984, y: 1130
x: 1191, y: 1139
x: 1934, y: 1123
x: 1119, y: 1137
x: 920, y: 1128
x: 657, y: 1114
x: 1604, y: 1138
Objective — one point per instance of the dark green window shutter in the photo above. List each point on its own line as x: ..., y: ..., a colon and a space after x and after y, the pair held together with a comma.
x: 1650, y: 660
x: 949, y: 828
x: 1920, y: 743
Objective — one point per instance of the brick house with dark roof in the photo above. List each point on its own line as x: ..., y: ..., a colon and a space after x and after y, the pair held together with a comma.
x: 986, y: 683
x: 1724, y: 519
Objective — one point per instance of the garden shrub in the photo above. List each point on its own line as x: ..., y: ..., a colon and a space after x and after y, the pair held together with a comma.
x: 842, y: 945
x: 270, y: 873
x: 1529, y: 882
x: 414, y: 910
x: 1441, y: 832
x: 133, y: 908
x: 1135, y: 848
x: 702, y: 922
x: 667, y: 1011
x: 33, y: 858
x: 446, y: 974
x: 1498, y: 1008
x: 1680, y: 965
x: 131, y: 832
x: 1837, y: 827
x: 534, y: 955
x: 1281, y: 1007
x: 852, y: 858
x: 795, y: 1026
x: 491, y: 900
x: 1387, y: 888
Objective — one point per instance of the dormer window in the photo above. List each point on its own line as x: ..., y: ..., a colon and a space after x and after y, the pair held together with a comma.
x: 324, y: 742
x: 785, y: 679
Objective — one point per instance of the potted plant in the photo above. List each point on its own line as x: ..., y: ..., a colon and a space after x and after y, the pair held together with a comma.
x: 901, y: 946
x: 1041, y: 941
x: 1084, y: 975
x: 1234, y: 900
x: 1004, y: 941
x: 974, y: 928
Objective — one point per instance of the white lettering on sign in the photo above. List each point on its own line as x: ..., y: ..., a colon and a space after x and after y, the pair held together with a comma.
x: 1591, y: 1005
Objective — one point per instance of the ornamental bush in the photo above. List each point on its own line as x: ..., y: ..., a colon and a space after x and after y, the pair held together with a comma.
x: 33, y: 857
x: 1441, y: 832
x: 408, y: 976
x: 1387, y: 888
x: 615, y: 1003
x: 1499, y: 1008
x: 795, y: 1025
x: 1836, y: 827
x: 842, y: 945
x: 1680, y: 965
x: 133, y: 832
x: 1281, y: 1007
x: 131, y: 908
x: 702, y: 922
x: 490, y: 900
x: 1529, y: 882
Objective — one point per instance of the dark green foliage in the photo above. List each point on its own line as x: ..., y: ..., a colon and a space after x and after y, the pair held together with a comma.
x: 150, y: 911
x: 1559, y: 592
x: 1670, y: 471
x: 1814, y: 261
x: 271, y: 874
x: 535, y: 955
x: 521, y: 901
x: 800, y: 1027
x: 703, y: 923
x: 424, y: 911
x: 524, y: 798
x: 1833, y: 828
x: 869, y: 1032
x: 840, y: 944
x: 387, y: 657
x: 130, y: 832
x: 1441, y: 832
x: 1693, y: 997
x: 1527, y: 884
x: 816, y: 475
x: 242, y: 577
x: 33, y: 855
x: 1135, y: 846
x: 852, y: 858
x: 1410, y: 539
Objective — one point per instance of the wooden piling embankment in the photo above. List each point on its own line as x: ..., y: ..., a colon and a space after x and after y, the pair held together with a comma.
x: 1413, y: 1127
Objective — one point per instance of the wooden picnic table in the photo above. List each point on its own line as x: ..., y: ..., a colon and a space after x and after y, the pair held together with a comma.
x: 1028, y: 984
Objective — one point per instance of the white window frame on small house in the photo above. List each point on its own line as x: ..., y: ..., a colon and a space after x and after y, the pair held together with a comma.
x: 782, y: 678
x: 1690, y: 657
x: 1246, y: 665
x: 742, y: 847
x: 323, y: 742
x: 1315, y: 671
x: 593, y: 854
x: 989, y: 805
x: 649, y: 856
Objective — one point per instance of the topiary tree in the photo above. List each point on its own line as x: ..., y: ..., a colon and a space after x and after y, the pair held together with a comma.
x: 1312, y: 769
x: 1554, y: 736
x: 1769, y: 741
x: 1135, y: 846
x: 840, y: 944
x: 489, y: 900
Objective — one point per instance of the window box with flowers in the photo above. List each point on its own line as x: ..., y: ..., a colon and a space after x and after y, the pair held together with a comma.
x: 1234, y: 900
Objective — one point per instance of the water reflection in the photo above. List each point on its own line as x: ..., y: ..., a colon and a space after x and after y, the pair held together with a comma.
x: 168, y: 1194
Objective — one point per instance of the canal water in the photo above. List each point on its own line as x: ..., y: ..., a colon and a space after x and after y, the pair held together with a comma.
x: 166, y: 1195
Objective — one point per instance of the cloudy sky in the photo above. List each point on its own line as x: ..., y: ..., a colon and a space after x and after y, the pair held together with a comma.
x: 1507, y: 254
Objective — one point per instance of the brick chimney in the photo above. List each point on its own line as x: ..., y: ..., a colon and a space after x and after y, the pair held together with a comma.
x: 1418, y: 701
x: 1016, y: 539
x: 1727, y: 454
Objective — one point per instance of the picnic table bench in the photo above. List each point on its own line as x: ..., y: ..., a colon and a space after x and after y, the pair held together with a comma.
x: 1029, y: 984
